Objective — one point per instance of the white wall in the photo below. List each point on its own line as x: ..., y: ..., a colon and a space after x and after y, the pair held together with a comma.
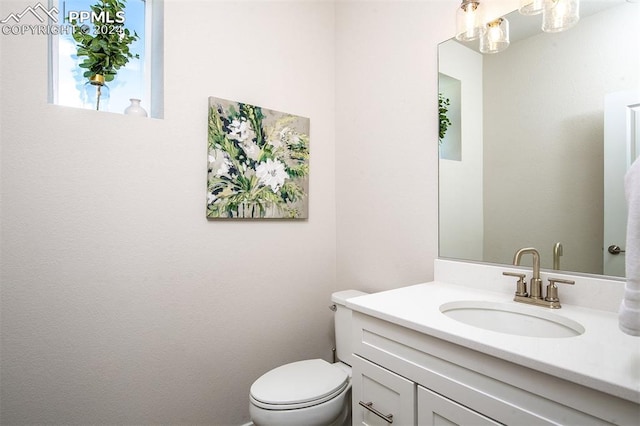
x: 387, y: 140
x: 121, y: 303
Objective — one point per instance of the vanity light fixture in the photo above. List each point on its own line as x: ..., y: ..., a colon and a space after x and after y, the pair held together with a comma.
x: 496, y: 37
x: 560, y: 15
x: 531, y: 7
x: 557, y: 15
x: 468, y: 21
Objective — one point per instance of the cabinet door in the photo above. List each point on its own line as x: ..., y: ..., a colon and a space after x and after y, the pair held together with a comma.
x: 436, y: 410
x: 381, y: 396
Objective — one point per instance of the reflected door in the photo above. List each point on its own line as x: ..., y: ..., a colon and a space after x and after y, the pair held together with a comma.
x: 621, y: 149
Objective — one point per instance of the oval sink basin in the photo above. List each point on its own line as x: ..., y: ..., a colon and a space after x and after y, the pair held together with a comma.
x: 512, y: 319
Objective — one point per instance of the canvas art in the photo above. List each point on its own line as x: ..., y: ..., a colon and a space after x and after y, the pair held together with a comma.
x: 258, y: 166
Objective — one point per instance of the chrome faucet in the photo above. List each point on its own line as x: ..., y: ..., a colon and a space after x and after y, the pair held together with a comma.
x: 536, y: 282
x: 535, y: 297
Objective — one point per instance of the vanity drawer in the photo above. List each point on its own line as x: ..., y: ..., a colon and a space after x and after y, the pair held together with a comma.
x: 435, y: 409
x: 381, y: 397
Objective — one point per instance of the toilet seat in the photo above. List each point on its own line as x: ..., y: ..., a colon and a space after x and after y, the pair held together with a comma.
x: 298, y: 385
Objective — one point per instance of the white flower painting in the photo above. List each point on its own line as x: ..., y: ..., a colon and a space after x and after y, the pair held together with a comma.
x: 258, y: 164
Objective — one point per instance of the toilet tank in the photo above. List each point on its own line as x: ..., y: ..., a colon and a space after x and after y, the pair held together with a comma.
x: 342, y: 323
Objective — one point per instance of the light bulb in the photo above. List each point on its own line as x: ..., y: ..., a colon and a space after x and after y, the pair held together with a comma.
x: 496, y: 37
x: 469, y: 25
x: 560, y: 15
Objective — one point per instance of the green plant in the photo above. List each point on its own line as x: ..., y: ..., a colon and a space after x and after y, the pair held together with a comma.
x: 443, y: 104
x: 106, y: 47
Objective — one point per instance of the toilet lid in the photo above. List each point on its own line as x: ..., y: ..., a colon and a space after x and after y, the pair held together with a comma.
x: 299, y: 383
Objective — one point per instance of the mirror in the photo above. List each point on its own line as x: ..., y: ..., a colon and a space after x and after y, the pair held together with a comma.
x: 529, y: 168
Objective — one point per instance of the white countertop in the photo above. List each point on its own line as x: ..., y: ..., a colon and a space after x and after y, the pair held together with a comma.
x: 602, y: 358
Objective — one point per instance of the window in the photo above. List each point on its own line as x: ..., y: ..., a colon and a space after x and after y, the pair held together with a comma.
x: 137, y: 79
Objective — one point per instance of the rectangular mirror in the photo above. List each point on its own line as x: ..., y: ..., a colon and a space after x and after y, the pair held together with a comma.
x: 533, y: 160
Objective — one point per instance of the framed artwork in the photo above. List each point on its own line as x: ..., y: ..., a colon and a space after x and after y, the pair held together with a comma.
x: 258, y: 162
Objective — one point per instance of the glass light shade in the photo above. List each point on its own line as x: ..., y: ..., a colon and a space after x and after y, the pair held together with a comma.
x: 468, y: 23
x: 560, y: 15
x: 496, y: 37
x: 531, y: 7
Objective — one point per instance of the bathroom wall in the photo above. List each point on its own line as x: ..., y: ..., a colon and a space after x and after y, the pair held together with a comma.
x: 387, y: 137
x: 121, y: 303
x: 387, y: 140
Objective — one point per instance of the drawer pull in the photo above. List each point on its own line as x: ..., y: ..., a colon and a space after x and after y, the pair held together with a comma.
x: 369, y: 406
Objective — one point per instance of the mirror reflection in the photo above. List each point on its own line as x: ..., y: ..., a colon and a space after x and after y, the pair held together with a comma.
x: 539, y: 141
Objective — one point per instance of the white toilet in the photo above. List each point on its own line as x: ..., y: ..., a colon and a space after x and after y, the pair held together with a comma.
x: 311, y: 392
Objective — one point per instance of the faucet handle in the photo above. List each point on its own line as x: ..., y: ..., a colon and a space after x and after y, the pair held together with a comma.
x: 552, y: 289
x: 521, y: 286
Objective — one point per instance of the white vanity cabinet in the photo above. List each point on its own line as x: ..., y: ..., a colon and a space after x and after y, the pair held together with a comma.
x: 424, y: 380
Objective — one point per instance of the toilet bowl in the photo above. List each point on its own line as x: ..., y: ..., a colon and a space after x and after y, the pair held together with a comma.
x: 312, y: 392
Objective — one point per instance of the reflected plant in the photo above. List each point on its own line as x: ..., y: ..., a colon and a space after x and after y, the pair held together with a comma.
x: 443, y: 108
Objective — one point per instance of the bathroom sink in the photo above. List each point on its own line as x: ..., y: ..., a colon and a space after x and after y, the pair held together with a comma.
x: 512, y: 318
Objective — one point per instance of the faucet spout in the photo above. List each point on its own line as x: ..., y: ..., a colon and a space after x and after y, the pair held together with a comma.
x: 536, y: 282
x: 557, y: 252
x: 536, y: 259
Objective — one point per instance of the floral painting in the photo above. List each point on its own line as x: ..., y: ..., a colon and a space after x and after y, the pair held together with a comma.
x: 258, y: 163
